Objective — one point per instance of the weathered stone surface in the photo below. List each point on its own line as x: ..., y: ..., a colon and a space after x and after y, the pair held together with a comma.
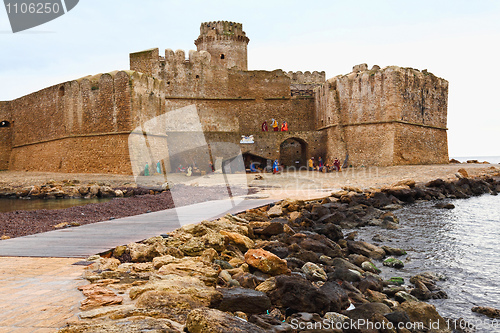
x: 242, y: 299
x: 238, y: 239
x: 98, y: 296
x: 393, y: 262
x: 426, y: 314
x: 128, y: 325
x: 267, y: 285
x: 266, y: 262
x: 314, y: 272
x: 180, y: 284
x: 275, y: 211
x: 299, y: 294
x: 487, y: 311
x: 215, y: 321
x: 191, y: 267
x: 366, y: 249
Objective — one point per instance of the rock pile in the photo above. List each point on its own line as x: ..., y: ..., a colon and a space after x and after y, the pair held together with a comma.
x: 72, y: 189
x: 281, y: 268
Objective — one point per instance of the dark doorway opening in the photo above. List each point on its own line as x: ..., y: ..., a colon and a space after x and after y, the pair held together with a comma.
x: 293, y: 153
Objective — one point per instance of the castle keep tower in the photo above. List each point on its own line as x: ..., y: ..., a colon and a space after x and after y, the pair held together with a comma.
x: 226, y: 42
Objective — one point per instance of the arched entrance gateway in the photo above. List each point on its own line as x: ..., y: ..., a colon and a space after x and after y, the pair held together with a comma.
x: 293, y: 152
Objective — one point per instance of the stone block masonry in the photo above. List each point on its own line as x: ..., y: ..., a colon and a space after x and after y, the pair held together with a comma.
x: 388, y: 116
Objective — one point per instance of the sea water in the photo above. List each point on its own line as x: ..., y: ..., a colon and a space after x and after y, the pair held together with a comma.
x: 463, y: 244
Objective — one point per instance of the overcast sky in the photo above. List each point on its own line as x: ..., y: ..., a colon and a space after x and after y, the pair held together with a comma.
x: 457, y: 40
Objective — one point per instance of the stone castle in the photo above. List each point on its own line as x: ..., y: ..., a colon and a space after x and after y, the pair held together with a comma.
x: 381, y: 117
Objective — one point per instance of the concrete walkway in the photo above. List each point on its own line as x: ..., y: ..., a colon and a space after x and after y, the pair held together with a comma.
x: 38, y: 283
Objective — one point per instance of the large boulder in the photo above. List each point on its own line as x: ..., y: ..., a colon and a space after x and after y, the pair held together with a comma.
x: 266, y: 262
x: 366, y: 249
x: 421, y: 312
x: 299, y: 294
x: 204, y: 320
x: 242, y: 299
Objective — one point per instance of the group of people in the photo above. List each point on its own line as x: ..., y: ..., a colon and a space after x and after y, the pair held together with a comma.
x: 329, y: 166
x: 150, y: 170
x: 275, y: 126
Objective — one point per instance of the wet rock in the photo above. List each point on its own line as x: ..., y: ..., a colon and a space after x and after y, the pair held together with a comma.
x: 369, y: 267
x: 330, y: 230
x: 344, y: 274
x: 342, y: 263
x: 334, y: 218
x: 370, y: 282
x: 266, y: 262
x: 444, y: 205
x: 393, y: 262
x: 389, y: 217
x: 223, y: 264
x: 397, y: 317
x: 392, y: 207
x: 487, y: 311
x: 367, y: 310
x: 397, y: 280
x: 375, y: 296
x: 299, y: 294
x: 393, y: 251
x: 319, y: 211
x: 424, y: 313
x: 204, y: 320
x: 403, y: 296
x: 366, y: 249
x: 314, y: 272
x: 242, y: 299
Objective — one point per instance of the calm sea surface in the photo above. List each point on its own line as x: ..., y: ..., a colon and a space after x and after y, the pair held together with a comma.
x: 9, y: 205
x: 463, y: 244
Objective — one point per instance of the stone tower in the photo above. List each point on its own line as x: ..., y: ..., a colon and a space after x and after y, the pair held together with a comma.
x: 226, y: 42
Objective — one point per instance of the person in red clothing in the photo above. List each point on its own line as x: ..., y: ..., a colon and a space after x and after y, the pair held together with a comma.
x: 284, y: 126
x: 264, y: 126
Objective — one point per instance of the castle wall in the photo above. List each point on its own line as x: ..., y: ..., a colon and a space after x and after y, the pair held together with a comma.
x: 368, y: 114
x: 5, y: 135
x: 255, y: 97
x: 86, y: 117
x: 428, y: 145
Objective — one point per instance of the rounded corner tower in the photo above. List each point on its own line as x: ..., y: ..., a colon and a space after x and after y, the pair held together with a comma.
x: 226, y: 42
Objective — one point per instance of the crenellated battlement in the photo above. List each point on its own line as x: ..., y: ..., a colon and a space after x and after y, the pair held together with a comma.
x: 222, y: 29
x: 306, y: 77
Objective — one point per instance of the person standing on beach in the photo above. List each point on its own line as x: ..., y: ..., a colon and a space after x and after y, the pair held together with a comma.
x: 336, y: 164
x: 310, y: 164
x: 275, y: 167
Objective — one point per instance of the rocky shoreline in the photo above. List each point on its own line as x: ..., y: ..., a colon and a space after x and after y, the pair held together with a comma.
x: 287, y: 267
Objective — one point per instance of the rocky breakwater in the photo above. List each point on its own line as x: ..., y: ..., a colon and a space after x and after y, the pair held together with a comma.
x: 72, y: 189
x: 288, y: 267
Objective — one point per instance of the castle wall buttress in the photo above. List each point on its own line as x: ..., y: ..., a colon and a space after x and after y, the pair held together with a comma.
x: 384, y: 117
